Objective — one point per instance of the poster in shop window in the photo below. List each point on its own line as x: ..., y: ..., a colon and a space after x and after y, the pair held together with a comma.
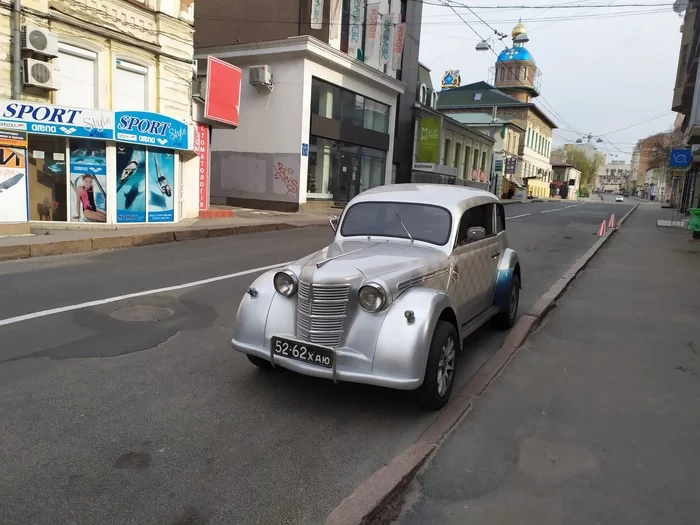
x: 88, y: 180
x: 131, y: 183
x: 13, y: 185
x: 161, y: 174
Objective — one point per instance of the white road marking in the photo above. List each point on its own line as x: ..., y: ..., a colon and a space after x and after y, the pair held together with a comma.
x: 555, y: 209
x: 572, y: 206
x: 518, y: 216
x: 90, y: 304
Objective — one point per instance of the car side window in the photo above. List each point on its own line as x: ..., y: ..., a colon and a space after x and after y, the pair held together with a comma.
x: 477, y: 216
x: 500, y: 218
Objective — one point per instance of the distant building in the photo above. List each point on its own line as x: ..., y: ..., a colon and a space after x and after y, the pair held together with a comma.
x: 514, y: 83
x: 611, y: 177
x: 567, y: 180
x: 505, y: 153
x: 445, y: 150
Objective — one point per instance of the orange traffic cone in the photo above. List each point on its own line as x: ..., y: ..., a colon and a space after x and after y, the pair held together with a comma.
x: 601, y: 230
x: 611, y: 223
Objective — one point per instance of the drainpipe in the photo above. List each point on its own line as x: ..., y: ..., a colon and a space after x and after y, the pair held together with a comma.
x: 16, y: 49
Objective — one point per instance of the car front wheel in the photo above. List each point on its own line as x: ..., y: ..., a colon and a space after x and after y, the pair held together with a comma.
x: 440, y: 370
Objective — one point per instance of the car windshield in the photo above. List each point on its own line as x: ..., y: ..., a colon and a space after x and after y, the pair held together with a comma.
x: 424, y: 222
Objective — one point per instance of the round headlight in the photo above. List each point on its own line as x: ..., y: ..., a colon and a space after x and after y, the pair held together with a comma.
x: 372, y: 297
x: 285, y: 283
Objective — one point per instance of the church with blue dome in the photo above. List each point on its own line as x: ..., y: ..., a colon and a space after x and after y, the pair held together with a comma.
x: 515, y: 72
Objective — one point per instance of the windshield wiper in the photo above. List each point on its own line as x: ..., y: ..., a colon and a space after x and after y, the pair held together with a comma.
x: 404, y: 227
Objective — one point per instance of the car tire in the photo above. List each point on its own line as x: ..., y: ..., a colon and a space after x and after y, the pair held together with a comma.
x: 259, y: 361
x: 435, y: 391
x: 506, y: 319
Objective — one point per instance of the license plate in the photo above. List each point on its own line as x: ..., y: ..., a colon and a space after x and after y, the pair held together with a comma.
x: 305, y: 352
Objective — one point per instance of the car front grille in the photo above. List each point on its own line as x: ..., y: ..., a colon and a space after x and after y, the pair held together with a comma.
x: 321, y: 313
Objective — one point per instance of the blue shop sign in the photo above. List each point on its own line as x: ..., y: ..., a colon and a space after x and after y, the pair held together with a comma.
x: 151, y: 129
x: 46, y: 119
x: 680, y: 158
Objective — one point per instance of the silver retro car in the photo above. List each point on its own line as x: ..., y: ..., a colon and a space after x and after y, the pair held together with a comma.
x: 412, y: 271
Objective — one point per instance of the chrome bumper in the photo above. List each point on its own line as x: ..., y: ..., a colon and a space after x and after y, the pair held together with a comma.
x: 338, y: 373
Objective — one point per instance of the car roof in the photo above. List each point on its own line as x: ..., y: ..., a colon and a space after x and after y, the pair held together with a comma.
x: 453, y: 197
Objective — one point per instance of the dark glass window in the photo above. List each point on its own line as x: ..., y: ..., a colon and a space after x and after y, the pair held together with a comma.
x: 336, y: 103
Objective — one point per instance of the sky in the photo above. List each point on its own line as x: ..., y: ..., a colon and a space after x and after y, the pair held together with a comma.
x: 602, y: 68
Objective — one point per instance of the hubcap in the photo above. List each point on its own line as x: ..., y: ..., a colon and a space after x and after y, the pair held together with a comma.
x: 446, y: 366
x: 513, y: 306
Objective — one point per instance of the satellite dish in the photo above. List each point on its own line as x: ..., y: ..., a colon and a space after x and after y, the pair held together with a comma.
x: 680, y: 5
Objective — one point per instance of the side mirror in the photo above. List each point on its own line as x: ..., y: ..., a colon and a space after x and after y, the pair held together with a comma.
x: 333, y: 221
x: 476, y: 233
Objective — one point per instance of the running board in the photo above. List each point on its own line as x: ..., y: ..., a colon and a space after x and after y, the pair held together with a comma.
x: 472, y: 326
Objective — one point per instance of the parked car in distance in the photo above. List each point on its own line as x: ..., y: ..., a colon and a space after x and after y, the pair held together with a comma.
x: 412, y: 271
x: 619, y: 198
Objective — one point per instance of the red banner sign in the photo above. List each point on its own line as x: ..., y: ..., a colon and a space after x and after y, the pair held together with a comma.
x: 201, y: 146
x: 482, y: 176
x: 474, y: 174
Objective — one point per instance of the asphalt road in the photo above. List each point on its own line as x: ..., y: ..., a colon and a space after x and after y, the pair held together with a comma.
x: 107, y: 421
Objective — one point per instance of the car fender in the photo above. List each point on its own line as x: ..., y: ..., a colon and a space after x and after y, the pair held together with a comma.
x: 402, y: 346
x: 251, y: 319
x: 506, y: 268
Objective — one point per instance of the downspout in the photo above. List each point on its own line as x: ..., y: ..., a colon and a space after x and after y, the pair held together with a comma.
x: 16, y: 50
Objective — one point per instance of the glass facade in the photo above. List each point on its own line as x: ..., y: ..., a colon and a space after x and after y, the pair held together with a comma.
x: 333, y: 102
x: 338, y: 171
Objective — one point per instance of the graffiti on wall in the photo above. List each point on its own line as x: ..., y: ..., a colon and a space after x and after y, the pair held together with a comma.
x: 286, y: 176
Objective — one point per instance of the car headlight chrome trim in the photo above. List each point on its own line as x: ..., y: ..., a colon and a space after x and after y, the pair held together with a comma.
x: 286, y: 283
x: 372, y: 297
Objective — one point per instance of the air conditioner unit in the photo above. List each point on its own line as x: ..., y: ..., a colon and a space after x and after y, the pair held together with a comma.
x: 259, y: 75
x: 39, y: 74
x: 39, y: 41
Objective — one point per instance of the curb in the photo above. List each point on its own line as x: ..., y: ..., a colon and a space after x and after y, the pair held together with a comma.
x: 378, y: 499
x: 26, y: 251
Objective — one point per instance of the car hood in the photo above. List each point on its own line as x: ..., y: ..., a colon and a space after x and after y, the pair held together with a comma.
x: 353, y: 260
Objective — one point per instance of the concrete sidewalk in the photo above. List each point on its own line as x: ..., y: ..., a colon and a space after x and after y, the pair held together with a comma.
x: 59, y: 241
x: 596, y: 418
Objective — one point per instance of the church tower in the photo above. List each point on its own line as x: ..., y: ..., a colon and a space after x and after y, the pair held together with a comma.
x: 515, y: 72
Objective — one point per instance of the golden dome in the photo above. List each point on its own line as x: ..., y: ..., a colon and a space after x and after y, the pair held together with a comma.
x: 519, y: 29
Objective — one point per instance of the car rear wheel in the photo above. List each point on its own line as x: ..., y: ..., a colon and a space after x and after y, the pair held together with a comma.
x: 440, y: 370
x: 506, y: 318
x: 258, y: 361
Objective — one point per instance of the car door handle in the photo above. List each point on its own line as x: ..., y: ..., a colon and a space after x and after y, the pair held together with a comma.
x: 495, y: 254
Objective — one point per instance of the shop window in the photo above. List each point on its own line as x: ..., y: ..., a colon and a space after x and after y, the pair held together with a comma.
x: 376, y: 116
x: 467, y: 162
x: 325, y: 100
x: 353, y: 108
x: 78, y: 77
x: 336, y: 103
x: 88, y: 180
x: 145, y: 184
x: 446, y: 152
x: 130, y: 87
x: 47, y: 172
x: 483, y: 161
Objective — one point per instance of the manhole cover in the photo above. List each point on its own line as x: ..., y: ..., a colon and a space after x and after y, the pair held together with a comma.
x: 142, y: 313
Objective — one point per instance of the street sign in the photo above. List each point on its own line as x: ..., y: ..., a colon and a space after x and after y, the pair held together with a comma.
x: 680, y: 158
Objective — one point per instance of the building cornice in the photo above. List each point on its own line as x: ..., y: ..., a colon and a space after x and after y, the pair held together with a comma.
x: 307, y: 46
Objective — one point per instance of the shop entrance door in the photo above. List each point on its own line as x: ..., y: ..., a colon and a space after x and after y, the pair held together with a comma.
x: 348, y: 176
